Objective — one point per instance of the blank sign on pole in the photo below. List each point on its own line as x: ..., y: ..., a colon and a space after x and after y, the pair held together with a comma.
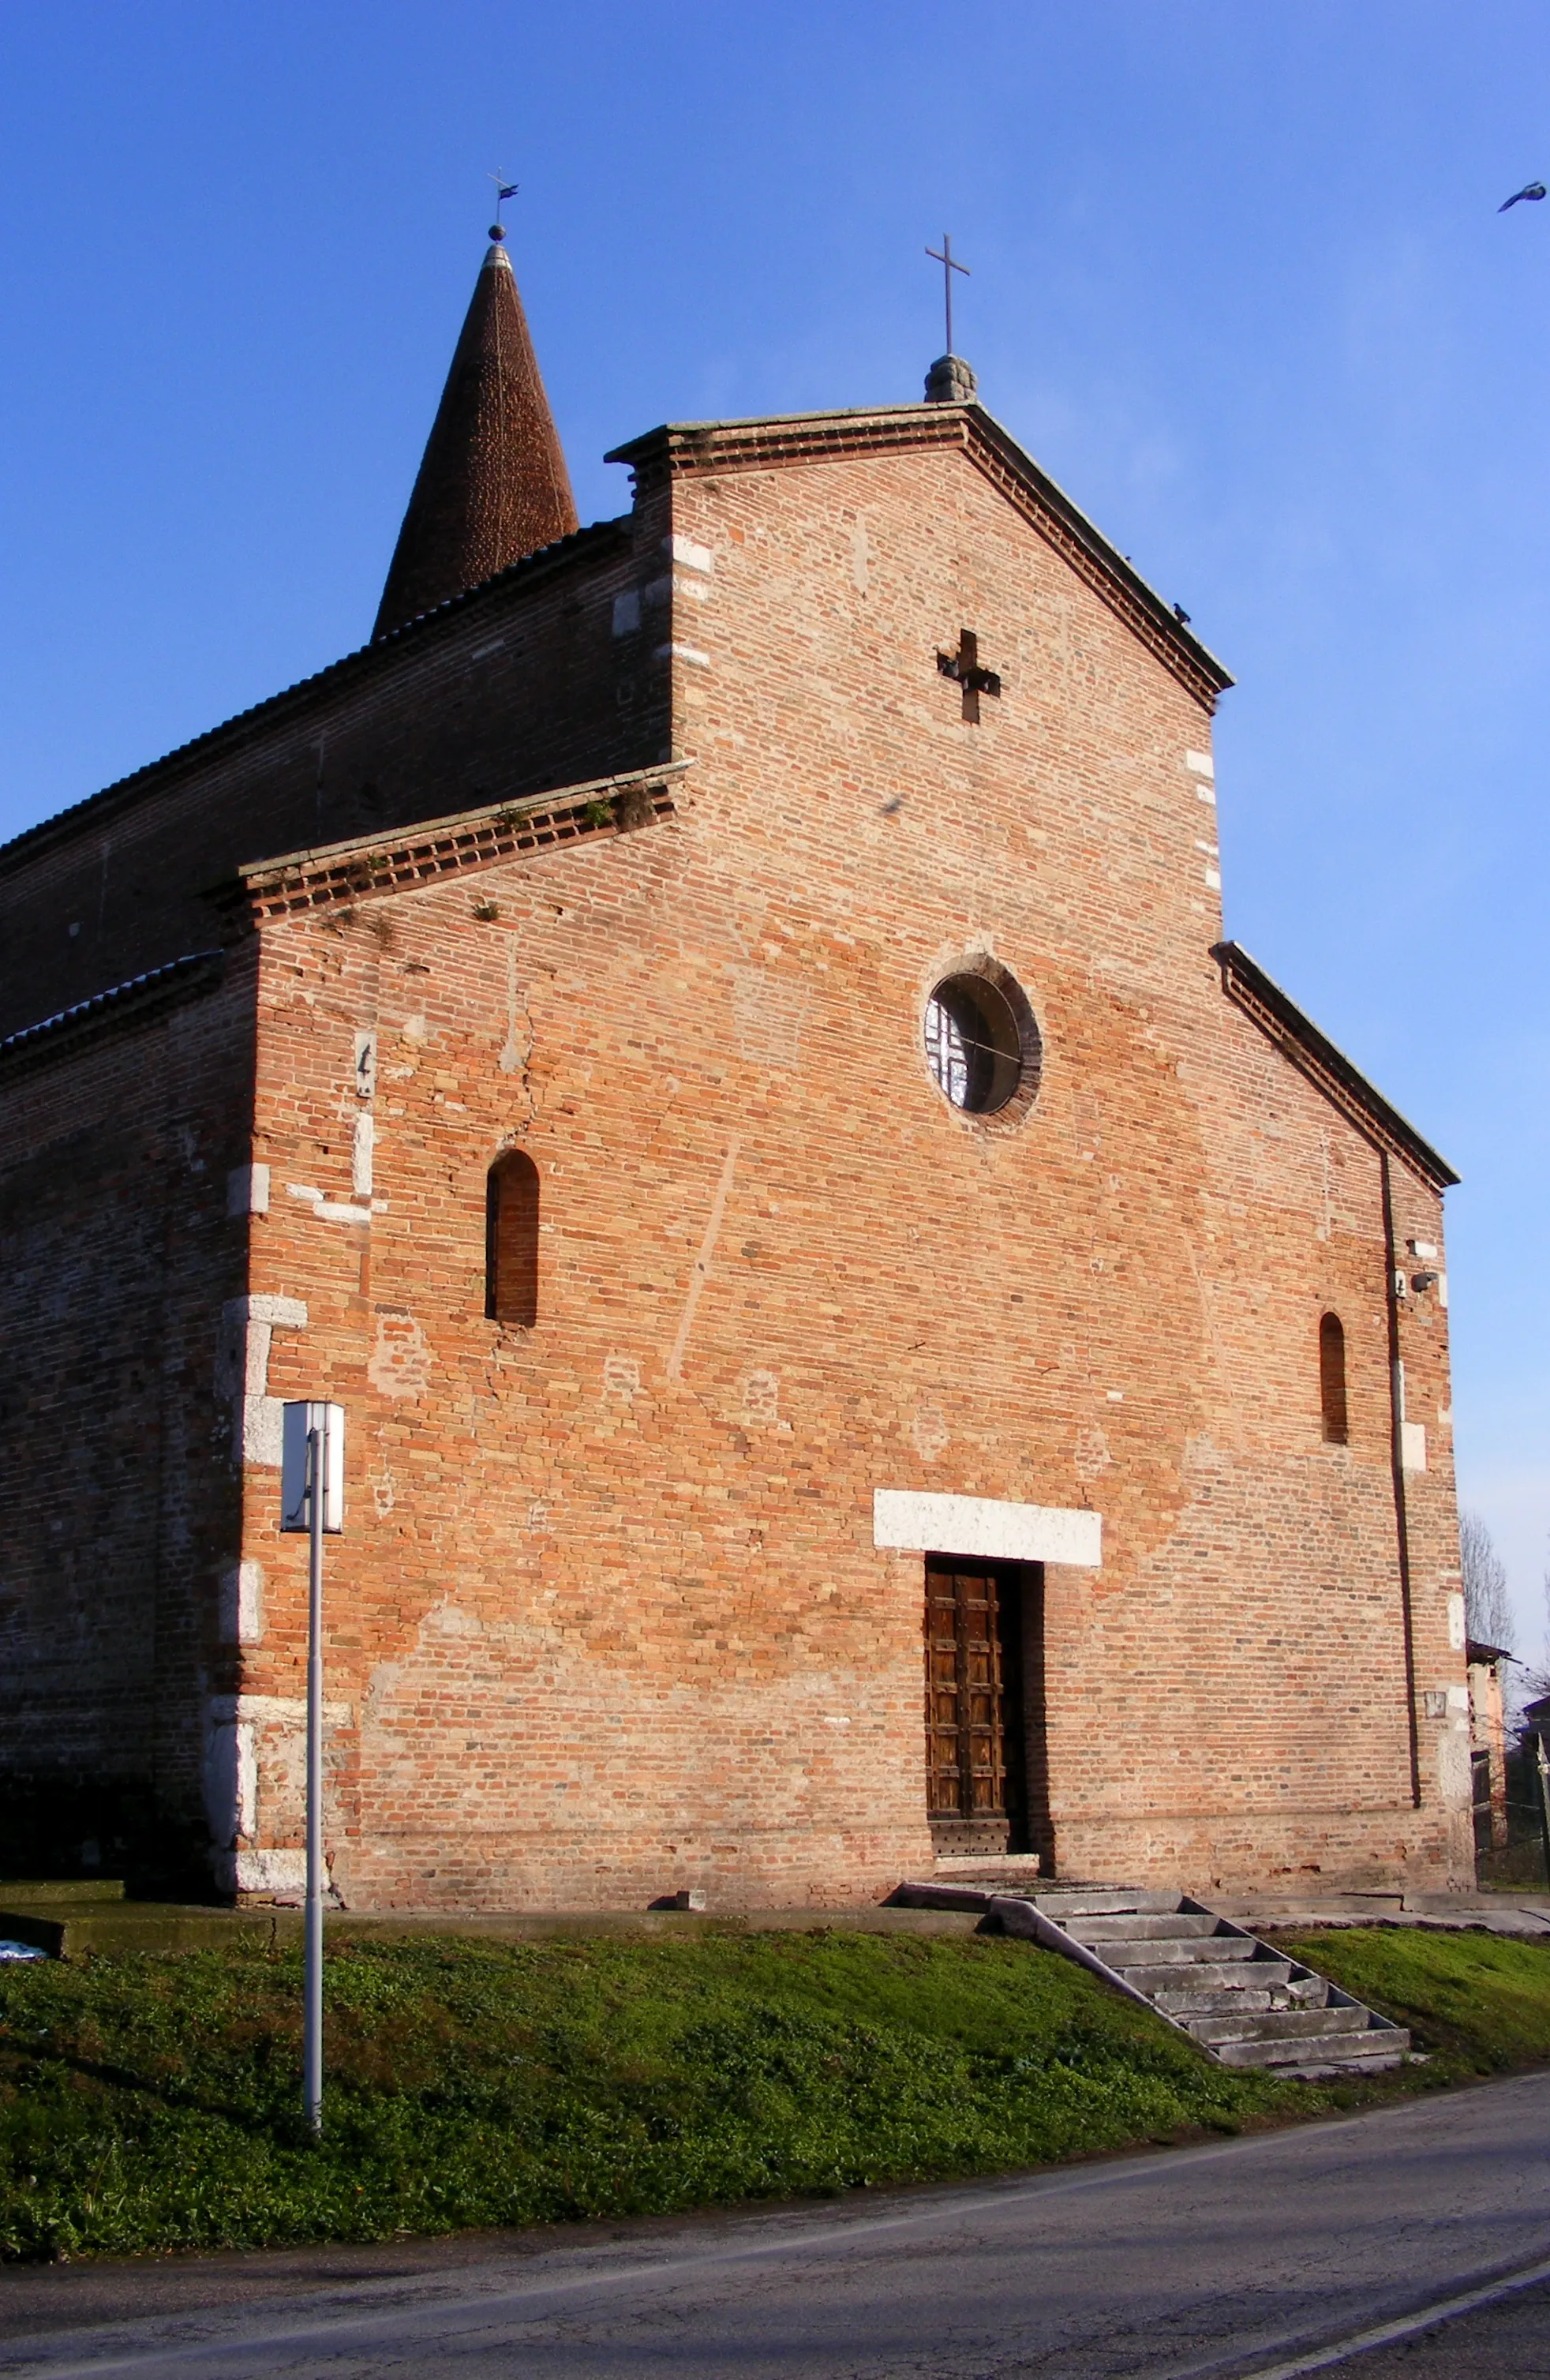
x: 313, y: 1500
x: 295, y: 1508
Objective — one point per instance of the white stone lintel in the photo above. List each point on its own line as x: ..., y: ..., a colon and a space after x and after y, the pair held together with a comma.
x: 908, y: 1522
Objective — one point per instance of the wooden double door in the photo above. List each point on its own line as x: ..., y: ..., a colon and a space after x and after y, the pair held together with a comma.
x: 976, y: 1766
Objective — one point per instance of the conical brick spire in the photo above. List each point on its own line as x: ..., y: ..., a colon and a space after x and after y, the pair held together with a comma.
x: 493, y: 485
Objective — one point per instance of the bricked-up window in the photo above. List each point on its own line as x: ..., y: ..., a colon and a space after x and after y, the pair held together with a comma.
x: 1332, y: 1379
x: 511, y: 1241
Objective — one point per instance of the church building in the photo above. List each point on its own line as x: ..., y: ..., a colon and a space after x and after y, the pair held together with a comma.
x: 873, y: 1339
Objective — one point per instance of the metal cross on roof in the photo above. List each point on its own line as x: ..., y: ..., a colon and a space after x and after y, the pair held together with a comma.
x: 950, y: 265
x: 503, y: 190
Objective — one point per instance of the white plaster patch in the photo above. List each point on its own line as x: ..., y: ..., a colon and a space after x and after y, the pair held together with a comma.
x: 1454, y: 1780
x: 366, y: 1065
x: 930, y: 1432
x: 1412, y: 1446
x: 768, y: 1010
x: 620, y: 1377
x: 761, y: 1399
x: 242, y: 1592
x: 914, y: 1522
x: 400, y: 1363
x: 248, y: 1190
x: 230, y: 1774
x: 248, y: 1325
x: 1200, y: 764
x: 363, y: 1142
x: 1458, y: 1630
x: 1092, y: 1455
x: 626, y: 614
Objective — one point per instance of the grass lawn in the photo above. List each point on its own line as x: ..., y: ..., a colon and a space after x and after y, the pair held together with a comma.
x: 151, y: 2103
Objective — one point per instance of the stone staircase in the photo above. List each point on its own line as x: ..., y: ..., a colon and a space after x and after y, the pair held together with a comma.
x: 1242, y: 2002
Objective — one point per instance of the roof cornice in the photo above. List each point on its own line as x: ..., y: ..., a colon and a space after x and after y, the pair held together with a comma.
x: 783, y: 439
x: 1299, y: 1040
x: 143, y: 997
x: 409, y: 858
x: 294, y: 703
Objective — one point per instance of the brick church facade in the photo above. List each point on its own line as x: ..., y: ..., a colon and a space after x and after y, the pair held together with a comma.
x: 869, y: 1333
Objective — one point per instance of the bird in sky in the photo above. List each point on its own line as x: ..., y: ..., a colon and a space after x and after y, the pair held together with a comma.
x: 1528, y: 191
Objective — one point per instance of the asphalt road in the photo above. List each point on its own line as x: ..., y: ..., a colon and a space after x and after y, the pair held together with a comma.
x: 1415, y: 2240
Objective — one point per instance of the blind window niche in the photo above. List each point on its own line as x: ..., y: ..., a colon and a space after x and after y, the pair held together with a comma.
x: 1332, y: 1379
x: 511, y: 1241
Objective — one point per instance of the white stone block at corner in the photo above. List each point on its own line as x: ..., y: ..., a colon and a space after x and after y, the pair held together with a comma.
x: 280, y: 1313
x: 1213, y: 879
x: 1200, y: 764
x: 253, y: 1871
x: 1458, y: 1631
x: 908, y: 1522
x: 248, y: 1190
x: 688, y: 556
x: 682, y: 653
x: 242, y: 1604
x: 1412, y: 1446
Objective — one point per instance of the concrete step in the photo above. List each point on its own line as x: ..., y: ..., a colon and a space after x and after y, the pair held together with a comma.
x: 1277, y: 2024
x: 1102, y: 1901
x: 1181, y: 2000
x: 1129, y: 1925
x: 1188, y: 1980
x: 1215, y: 1950
x: 1385, y: 2045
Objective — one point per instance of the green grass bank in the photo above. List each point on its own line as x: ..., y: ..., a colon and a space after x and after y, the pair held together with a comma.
x: 150, y: 2104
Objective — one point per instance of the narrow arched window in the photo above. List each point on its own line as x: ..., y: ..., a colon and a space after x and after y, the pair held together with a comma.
x: 1332, y: 1379
x: 511, y: 1241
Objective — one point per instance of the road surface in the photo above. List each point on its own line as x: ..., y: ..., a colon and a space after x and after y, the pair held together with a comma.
x: 1331, y: 2246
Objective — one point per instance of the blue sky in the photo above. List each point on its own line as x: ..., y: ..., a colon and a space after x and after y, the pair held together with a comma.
x: 1239, y: 281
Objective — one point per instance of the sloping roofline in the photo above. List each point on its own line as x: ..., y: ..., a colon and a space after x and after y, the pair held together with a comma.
x: 1299, y: 1039
x: 761, y: 442
x: 294, y: 699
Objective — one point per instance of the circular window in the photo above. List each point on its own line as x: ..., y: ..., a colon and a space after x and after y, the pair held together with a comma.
x: 982, y: 1044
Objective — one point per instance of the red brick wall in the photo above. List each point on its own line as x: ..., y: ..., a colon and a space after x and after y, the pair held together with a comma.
x: 608, y: 1618
x: 120, y: 1501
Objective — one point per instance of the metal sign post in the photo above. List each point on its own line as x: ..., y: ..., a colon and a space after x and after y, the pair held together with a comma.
x: 313, y: 1498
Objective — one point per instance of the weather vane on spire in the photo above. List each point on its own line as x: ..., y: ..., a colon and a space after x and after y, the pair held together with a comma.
x: 950, y: 265
x: 503, y: 190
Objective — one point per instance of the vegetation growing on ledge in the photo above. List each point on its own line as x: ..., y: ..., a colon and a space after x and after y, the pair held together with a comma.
x: 151, y: 2103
